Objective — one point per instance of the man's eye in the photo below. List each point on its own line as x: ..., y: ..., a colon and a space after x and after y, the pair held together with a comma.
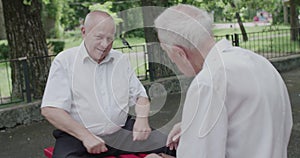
x: 99, y: 37
x: 110, y: 39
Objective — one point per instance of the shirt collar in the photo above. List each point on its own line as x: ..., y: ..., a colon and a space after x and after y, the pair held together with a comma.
x: 219, y: 47
x: 86, y: 57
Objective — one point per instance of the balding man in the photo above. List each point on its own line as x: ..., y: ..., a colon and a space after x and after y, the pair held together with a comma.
x: 88, y: 94
x: 237, y: 106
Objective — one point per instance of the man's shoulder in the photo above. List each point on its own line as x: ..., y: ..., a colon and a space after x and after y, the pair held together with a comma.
x: 119, y: 56
x: 67, y: 53
x: 66, y: 58
x: 116, y: 53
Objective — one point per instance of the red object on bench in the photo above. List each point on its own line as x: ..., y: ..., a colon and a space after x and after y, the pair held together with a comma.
x: 49, y: 152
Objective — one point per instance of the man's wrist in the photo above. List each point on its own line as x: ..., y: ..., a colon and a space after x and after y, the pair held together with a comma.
x: 142, y: 111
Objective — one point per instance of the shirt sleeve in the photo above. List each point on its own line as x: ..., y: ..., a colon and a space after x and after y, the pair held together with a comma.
x: 57, y: 92
x: 212, y: 144
x: 136, y: 88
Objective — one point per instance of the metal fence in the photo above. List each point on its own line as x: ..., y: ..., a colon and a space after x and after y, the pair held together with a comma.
x: 138, y: 57
x: 271, y: 43
x: 5, y: 83
x: 25, y: 86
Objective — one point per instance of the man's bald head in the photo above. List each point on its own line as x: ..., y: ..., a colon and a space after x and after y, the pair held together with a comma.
x: 98, y: 34
x: 95, y: 18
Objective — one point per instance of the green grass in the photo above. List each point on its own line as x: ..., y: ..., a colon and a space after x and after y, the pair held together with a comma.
x: 223, y: 32
x: 272, y: 46
x: 5, y: 80
x: 269, y: 41
x: 3, y: 41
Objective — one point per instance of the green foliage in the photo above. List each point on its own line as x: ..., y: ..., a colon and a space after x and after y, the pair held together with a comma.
x: 46, y: 1
x: 52, y: 11
x: 106, y: 7
x: 56, y: 46
x: 69, y: 20
x: 74, y: 11
x: 224, y: 10
x: 27, y: 2
x: 135, y: 33
x: 4, y: 51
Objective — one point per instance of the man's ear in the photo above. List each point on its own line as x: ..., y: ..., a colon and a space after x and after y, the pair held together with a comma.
x: 179, y: 51
x: 82, y: 31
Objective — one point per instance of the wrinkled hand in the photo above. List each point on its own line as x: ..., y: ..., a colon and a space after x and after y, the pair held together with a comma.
x: 174, y: 136
x: 159, y: 156
x: 166, y: 156
x: 153, y: 156
x: 94, y: 144
x: 141, y: 129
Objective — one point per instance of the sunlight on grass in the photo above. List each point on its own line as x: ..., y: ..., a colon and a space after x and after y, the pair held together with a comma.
x: 224, y: 31
x: 5, y: 80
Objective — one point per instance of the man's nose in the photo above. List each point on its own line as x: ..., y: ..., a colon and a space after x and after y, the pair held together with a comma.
x: 104, y: 43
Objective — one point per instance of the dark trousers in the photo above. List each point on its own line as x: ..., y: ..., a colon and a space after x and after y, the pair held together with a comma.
x: 120, y: 142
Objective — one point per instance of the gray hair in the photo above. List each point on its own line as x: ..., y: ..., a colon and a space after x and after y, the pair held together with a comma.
x: 184, y: 25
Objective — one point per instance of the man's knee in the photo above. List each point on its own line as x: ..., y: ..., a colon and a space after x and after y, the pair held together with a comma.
x: 67, y: 146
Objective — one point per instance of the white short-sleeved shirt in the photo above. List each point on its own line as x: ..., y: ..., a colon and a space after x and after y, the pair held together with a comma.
x: 236, y: 107
x: 96, y: 95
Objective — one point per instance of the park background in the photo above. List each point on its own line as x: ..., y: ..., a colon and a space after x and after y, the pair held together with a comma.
x: 33, y: 32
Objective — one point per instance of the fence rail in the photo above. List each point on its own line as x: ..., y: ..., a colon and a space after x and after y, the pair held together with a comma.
x: 138, y: 57
x: 271, y: 43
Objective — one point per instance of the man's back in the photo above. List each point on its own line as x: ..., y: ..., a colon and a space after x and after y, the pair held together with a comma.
x: 258, y: 107
x: 256, y: 119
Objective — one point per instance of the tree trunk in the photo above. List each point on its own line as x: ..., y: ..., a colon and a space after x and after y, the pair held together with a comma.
x: 26, y: 38
x: 294, y: 20
x: 239, y: 20
x: 159, y: 64
x: 285, y: 15
x: 2, y: 25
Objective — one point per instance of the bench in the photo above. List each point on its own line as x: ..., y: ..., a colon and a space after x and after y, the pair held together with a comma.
x: 48, y: 152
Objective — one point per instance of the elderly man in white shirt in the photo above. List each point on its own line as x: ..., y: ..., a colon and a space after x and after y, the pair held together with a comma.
x: 237, y: 106
x: 88, y: 94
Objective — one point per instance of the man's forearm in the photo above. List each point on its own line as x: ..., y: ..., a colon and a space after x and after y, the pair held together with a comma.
x: 142, y: 107
x: 63, y: 121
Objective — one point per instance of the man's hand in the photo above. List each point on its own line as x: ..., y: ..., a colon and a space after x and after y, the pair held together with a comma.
x: 174, y: 136
x: 153, y: 156
x: 141, y: 129
x: 63, y: 121
x: 159, y: 156
x: 94, y: 144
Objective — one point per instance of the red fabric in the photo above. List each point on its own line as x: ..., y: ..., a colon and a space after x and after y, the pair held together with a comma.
x: 49, y: 151
x: 142, y: 155
x: 129, y: 156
